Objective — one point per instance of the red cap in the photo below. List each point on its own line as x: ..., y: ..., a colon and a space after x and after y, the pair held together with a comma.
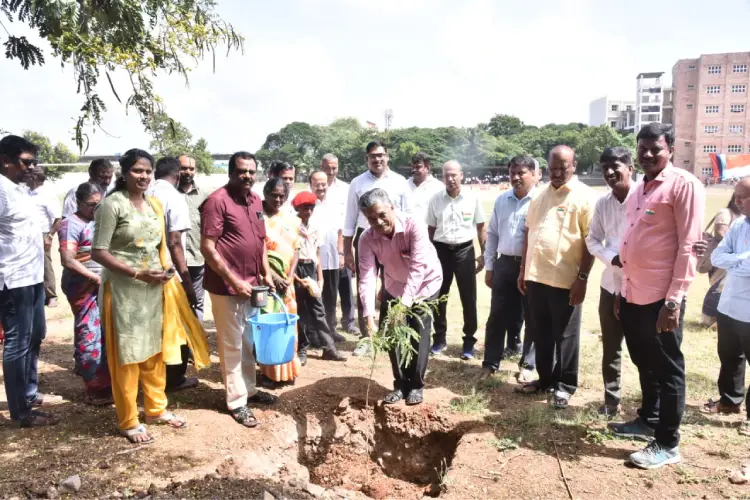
x: 304, y: 198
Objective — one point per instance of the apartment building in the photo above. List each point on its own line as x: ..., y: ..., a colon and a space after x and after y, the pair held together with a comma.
x: 617, y: 113
x: 710, y: 105
x: 653, y: 100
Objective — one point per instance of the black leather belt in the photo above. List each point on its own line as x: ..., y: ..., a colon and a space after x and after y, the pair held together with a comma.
x: 515, y: 258
x: 454, y: 248
x: 306, y: 261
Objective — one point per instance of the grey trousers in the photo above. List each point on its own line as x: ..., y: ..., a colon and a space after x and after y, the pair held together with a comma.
x: 612, y: 336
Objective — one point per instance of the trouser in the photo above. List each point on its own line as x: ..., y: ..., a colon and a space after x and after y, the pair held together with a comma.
x: 458, y: 261
x: 312, y: 314
x: 196, y: 275
x: 507, y: 310
x: 22, y: 317
x: 50, y: 289
x: 361, y: 321
x: 235, y: 345
x: 557, y: 331
x: 410, y: 377
x: 734, y: 351
x: 152, y: 376
x: 338, y: 283
x: 661, y: 368
x: 612, y: 336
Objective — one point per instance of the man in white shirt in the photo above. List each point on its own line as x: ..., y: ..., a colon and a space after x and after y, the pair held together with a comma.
x: 177, y: 220
x: 378, y: 175
x: 603, y: 241
x: 336, y: 196
x: 422, y: 186
x: 21, y: 287
x: 100, y: 173
x: 453, y: 217
x: 50, y: 218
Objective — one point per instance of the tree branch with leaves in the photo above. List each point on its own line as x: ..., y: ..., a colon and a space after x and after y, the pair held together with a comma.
x: 140, y: 38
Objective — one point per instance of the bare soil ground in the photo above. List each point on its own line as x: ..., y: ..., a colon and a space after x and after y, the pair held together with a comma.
x: 467, y: 441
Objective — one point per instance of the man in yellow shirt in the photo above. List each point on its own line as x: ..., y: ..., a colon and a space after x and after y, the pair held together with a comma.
x: 554, y: 274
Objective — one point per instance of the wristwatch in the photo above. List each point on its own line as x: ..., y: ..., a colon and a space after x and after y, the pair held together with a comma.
x: 672, y: 306
x: 583, y: 276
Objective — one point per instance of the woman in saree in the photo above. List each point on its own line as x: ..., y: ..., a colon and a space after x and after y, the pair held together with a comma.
x: 80, y: 284
x: 145, y: 314
x: 282, y: 242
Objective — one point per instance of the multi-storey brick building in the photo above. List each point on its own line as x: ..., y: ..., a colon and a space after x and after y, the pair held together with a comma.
x: 710, y: 109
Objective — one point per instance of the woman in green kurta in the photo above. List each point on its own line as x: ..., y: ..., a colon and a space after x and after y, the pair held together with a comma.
x: 127, y: 239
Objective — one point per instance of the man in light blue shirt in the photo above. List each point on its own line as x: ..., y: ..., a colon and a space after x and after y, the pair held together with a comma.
x: 502, y: 260
x: 733, y: 320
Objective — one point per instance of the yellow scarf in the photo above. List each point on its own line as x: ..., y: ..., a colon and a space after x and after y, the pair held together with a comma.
x: 181, y: 325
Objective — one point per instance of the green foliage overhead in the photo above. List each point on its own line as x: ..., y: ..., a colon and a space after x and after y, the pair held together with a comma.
x: 137, y: 38
x: 476, y: 148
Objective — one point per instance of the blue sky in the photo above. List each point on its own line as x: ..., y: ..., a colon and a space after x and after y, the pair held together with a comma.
x: 434, y: 62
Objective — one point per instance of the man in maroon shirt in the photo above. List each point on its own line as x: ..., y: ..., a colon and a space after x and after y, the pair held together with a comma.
x: 233, y: 244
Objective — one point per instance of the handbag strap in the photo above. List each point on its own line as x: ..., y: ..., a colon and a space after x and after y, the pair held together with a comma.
x: 711, y: 222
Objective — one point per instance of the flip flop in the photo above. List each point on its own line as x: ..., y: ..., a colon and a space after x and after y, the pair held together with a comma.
x: 415, y: 397
x: 98, y: 400
x: 393, y: 397
x: 134, y: 432
x: 530, y: 389
x: 168, y: 418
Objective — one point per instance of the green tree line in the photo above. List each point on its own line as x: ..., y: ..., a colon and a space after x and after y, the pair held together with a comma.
x: 485, y: 145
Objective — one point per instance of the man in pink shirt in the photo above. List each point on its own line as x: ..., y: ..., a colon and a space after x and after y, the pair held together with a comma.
x: 664, y: 217
x: 411, y: 272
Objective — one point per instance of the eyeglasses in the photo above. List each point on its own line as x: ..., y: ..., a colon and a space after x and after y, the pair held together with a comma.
x: 377, y: 156
x: 29, y: 161
x: 89, y: 204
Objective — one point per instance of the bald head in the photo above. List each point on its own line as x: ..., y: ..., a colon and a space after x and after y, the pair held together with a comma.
x: 561, y: 165
x: 452, y: 177
x: 742, y: 196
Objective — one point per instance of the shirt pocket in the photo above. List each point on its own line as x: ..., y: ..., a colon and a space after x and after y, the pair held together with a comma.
x: 657, y: 212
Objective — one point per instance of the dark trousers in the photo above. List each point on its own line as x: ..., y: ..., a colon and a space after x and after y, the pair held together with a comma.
x: 458, y: 261
x: 661, y: 367
x: 557, y: 333
x: 412, y: 376
x: 176, y: 373
x: 50, y: 287
x: 361, y: 322
x: 196, y: 275
x: 507, y: 310
x: 313, y: 329
x: 734, y: 349
x: 612, y: 336
x: 338, y: 283
x: 22, y: 317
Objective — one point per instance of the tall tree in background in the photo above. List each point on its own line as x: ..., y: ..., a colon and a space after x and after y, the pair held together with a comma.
x: 171, y: 138
x: 57, y: 154
x: 139, y: 38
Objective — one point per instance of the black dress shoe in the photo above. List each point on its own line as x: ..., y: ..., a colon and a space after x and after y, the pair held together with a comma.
x: 333, y: 356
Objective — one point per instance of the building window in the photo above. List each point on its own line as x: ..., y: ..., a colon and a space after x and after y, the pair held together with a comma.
x: 689, y: 106
x: 614, y: 107
x: 713, y: 89
x: 688, y: 143
x: 738, y: 89
x: 709, y: 148
x: 714, y: 70
x: 734, y: 148
x: 686, y: 162
x: 628, y: 107
x: 613, y: 124
x: 707, y: 171
x: 711, y: 129
x: 691, y: 66
x: 691, y: 87
x: 739, y: 68
x: 736, y: 129
x: 737, y: 108
x: 712, y: 109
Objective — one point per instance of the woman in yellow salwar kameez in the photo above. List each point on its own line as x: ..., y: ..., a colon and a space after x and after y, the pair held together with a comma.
x: 282, y: 242
x: 144, y: 315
